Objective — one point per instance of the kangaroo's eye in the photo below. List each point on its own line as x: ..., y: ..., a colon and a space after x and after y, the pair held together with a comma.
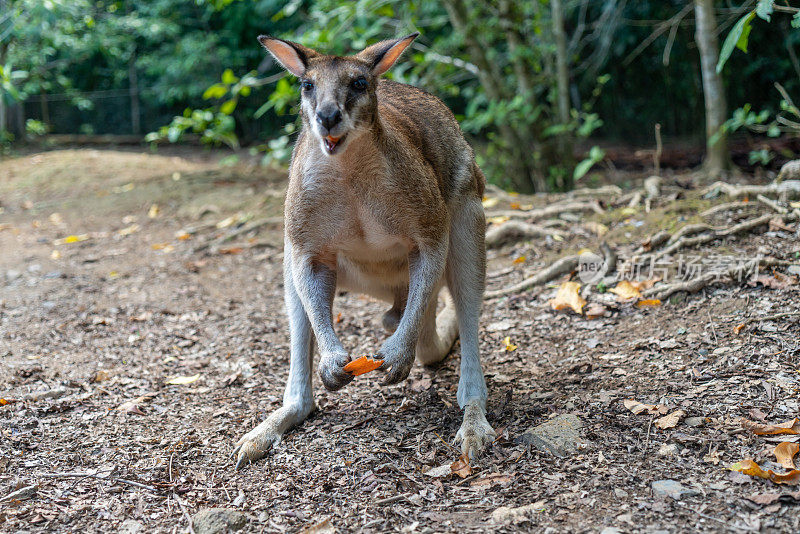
x: 307, y: 85
x: 360, y: 83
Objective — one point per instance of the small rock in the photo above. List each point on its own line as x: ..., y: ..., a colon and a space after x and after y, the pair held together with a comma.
x: 668, y: 449
x: 559, y: 436
x: 504, y: 514
x: 611, y: 530
x: 672, y: 488
x: 47, y: 394
x: 218, y: 521
x: 694, y: 421
x: 620, y: 493
x: 500, y: 326
x: 793, y: 269
x: 130, y: 526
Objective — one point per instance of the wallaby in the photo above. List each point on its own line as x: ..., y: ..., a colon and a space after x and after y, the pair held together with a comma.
x: 384, y: 198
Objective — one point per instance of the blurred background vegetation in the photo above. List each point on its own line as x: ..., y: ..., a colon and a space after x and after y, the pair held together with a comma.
x: 540, y: 86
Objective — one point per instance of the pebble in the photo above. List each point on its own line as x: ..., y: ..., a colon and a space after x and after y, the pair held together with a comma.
x: 218, y: 521
x: 672, y: 488
x: 559, y: 436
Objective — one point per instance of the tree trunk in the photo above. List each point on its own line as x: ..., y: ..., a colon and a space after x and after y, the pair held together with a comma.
x: 717, y: 156
x: 3, y: 109
x: 564, y: 144
x: 133, y: 80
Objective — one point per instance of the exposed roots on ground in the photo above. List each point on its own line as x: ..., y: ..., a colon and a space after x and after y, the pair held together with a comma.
x: 516, y: 231
x: 549, y: 211
x: 786, y: 189
x: 254, y: 226
x: 739, y: 272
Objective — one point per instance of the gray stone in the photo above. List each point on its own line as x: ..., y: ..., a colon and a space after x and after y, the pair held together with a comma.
x: 559, y: 436
x: 521, y: 514
x: 611, y: 530
x: 218, y: 521
x: 694, y: 421
x: 672, y: 488
x: 131, y: 526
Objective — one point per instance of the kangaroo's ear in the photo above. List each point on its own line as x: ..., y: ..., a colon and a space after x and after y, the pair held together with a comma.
x: 294, y: 57
x: 383, y: 55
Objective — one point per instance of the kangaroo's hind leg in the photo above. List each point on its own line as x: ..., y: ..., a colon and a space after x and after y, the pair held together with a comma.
x: 466, y: 271
x: 438, y: 332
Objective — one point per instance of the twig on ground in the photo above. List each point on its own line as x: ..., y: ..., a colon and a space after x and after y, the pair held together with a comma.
x: 773, y: 317
x: 736, y: 191
x: 233, y: 234
x: 185, y: 513
x: 98, y: 477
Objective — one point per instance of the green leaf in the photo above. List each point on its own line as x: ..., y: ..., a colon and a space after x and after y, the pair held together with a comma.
x: 737, y: 38
x: 796, y: 20
x: 764, y: 9
x: 582, y: 168
x: 228, y: 107
x: 215, y: 91
x: 228, y: 77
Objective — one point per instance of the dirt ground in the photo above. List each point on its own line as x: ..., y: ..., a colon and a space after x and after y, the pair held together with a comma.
x: 92, y: 327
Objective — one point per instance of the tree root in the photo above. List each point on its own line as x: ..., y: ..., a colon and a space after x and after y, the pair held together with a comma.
x: 785, y: 189
x: 727, y: 206
x: 549, y: 211
x: 564, y: 265
x: 517, y: 231
x: 696, y: 284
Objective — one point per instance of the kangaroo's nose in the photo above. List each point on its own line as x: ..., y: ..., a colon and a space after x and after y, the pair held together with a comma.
x: 329, y: 117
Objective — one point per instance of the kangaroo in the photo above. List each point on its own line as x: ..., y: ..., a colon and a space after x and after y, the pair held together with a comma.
x: 384, y: 198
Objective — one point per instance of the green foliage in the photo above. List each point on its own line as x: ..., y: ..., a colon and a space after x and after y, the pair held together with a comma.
x: 213, y: 127
x: 760, y: 157
x: 35, y: 128
x: 596, y: 155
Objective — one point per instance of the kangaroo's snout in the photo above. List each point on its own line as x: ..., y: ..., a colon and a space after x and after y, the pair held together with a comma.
x: 329, y: 117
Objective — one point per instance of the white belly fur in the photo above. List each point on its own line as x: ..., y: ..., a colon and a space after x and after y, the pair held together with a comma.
x: 374, y: 262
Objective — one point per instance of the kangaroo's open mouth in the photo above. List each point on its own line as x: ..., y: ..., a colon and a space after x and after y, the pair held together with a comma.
x: 332, y: 143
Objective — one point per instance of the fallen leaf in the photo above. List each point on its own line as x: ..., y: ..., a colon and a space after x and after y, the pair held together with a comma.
x: 749, y: 467
x: 626, y: 291
x: 785, y: 453
x: 514, y: 205
x: 55, y: 255
x: 500, y: 219
x: 738, y: 328
x: 132, y: 406
x: 153, y: 211
x: 183, y: 236
x: 637, y: 407
x: 518, y: 260
x: 508, y: 346
x: 71, y: 239
x: 4, y: 402
x: 597, y: 228
x: 789, y: 427
x: 129, y: 230
x: 490, y: 202
x: 362, y: 365
x: 778, y: 224
x: 648, y: 302
x: 491, y: 480
x: 231, y: 250
x: 568, y: 297
x: 671, y: 420
x: 101, y: 375
x: 775, y: 281
x: 461, y: 467
x: 182, y: 380
x: 595, y: 310
x: 769, y: 498
x: 439, y: 472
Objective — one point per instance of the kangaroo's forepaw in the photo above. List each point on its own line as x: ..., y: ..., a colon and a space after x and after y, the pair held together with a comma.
x: 475, y: 433
x: 331, y: 370
x: 396, y: 361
